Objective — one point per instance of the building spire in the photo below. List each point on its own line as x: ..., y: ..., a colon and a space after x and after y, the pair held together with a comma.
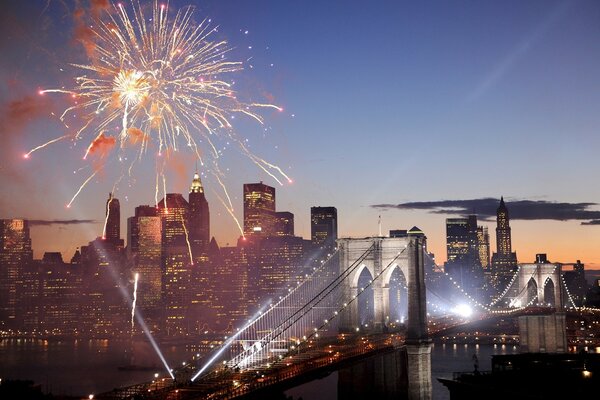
x: 196, y: 184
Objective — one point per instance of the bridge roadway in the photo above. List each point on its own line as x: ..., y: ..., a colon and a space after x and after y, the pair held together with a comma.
x: 319, y: 358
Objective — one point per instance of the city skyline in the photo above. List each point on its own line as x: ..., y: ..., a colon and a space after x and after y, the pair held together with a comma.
x: 445, y: 112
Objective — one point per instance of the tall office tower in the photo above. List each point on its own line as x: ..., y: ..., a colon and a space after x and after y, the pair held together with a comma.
x: 112, y: 226
x: 144, y: 249
x: 133, y: 228
x: 323, y: 227
x: 199, y: 219
x: 504, y: 261
x: 483, y: 243
x: 259, y: 209
x: 284, y: 224
x: 59, y: 295
x: 176, y: 262
x: 576, y: 283
x: 15, y: 256
x: 463, y: 252
x: 103, y: 309
x: 280, y: 262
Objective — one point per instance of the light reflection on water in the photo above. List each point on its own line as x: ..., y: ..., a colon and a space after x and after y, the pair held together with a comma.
x: 76, y: 367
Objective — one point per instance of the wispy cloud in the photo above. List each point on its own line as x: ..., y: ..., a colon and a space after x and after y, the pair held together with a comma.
x: 46, y: 222
x: 485, y: 208
x: 592, y: 222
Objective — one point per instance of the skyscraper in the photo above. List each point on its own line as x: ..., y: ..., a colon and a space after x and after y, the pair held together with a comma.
x: 259, y: 209
x: 463, y: 262
x: 199, y: 219
x: 483, y: 243
x: 504, y: 261
x: 112, y: 225
x: 177, y: 265
x: 323, y: 227
x: 15, y: 256
x: 144, y: 246
x: 284, y: 224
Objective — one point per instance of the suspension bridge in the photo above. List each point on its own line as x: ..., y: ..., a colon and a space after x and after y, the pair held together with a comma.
x: 317, y: 326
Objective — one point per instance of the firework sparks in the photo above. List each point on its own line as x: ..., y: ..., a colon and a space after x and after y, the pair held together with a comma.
x: 157, y: 79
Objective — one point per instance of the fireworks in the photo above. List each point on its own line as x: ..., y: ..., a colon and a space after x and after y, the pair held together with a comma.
x: 158, y: 82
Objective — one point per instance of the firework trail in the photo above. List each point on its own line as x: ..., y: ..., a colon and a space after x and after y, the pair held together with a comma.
x: 81, y: 188
x: 187, y: 240
x: 157, y: 80
x: 26, y: 155
x: 135, y: 286
x: 107, y: 216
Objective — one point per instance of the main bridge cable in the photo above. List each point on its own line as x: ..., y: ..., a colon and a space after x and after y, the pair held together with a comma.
x: 569, y: 293
x: 270, y: 337
x: 505, y: 291
x: 262, y: 315
x: 473, y: 300
x: 354, y: 298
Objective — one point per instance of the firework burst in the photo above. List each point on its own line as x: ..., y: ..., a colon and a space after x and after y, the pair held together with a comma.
x: 157, y: 81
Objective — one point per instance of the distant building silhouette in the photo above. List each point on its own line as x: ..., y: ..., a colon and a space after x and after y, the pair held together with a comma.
x: 323, y: 227
x: 112, y: 225
x: 15, y: 257
x: 199, y: 219
x: 284, y: 224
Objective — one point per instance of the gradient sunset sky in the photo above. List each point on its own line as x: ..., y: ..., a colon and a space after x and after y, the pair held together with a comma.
x: 415, y: 111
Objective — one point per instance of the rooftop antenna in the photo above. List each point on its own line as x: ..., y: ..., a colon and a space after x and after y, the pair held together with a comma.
x: 380, y: 226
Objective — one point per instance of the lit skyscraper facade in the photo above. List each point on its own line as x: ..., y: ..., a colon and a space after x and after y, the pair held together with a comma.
x: 463, y: 260
x: 259, y: 209
x: 323, y: 226
x: 199, y: 219
x: 504, y: 261
x: 144, y: 250
x: 15, y: 256
x: 483, y: 242
x: 176, y: 262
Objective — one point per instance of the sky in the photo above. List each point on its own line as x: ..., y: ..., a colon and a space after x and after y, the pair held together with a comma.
x: 412, y: 111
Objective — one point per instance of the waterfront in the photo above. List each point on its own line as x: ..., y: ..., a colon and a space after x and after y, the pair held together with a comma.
x: 81, y: 367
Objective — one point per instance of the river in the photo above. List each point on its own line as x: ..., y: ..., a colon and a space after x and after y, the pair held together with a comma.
x: 81, y: 367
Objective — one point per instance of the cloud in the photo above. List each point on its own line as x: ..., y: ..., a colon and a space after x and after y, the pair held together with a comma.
x: 83, y: 19
x: 592, y: 222
x: 102, y: 145
x: 46, y: 222
x: 485, y: 208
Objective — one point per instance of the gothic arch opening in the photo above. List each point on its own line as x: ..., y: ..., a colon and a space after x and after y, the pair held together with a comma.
x: 398, y: 293
x: 549, y: 293
x: 532, y: 290
x: 366, y: 298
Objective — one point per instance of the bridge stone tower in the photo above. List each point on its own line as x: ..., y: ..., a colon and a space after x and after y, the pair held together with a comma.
x: 540, y: 284
x: 381, y: 256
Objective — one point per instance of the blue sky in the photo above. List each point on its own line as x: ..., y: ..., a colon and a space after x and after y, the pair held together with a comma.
x: 384, y: 102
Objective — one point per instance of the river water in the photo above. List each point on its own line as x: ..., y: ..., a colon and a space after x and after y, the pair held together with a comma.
x: 81, y: 367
